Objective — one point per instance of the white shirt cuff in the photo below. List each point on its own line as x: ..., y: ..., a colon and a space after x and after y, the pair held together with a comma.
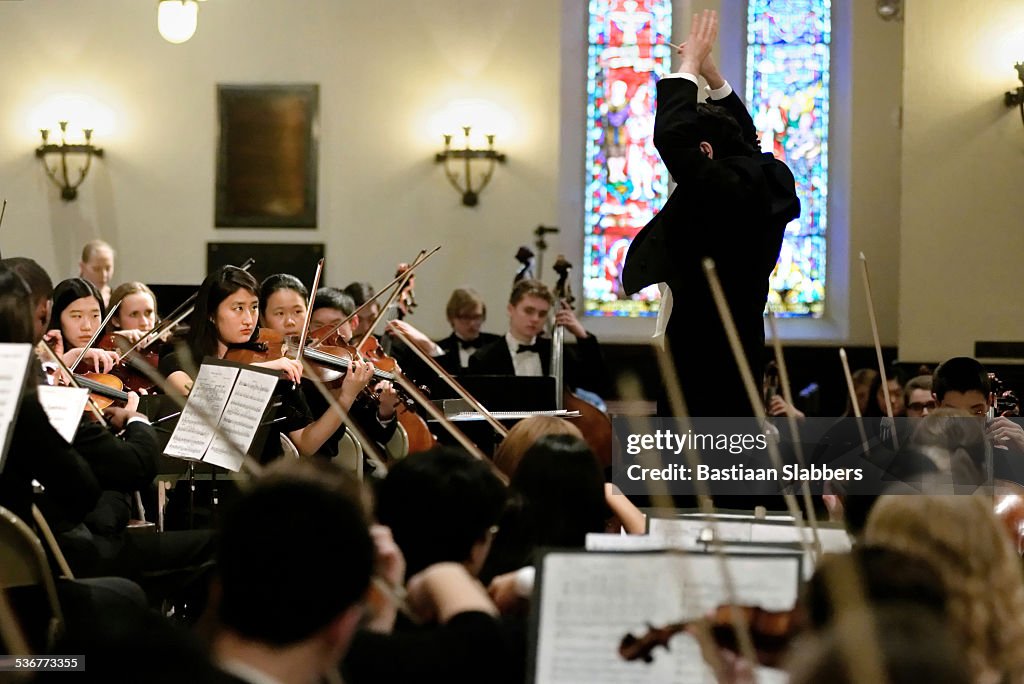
x: 524, y: 581
x: 136, y: 419
x: 719, y: 93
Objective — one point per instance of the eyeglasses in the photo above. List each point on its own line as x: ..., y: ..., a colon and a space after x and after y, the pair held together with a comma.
x: 921, y: 406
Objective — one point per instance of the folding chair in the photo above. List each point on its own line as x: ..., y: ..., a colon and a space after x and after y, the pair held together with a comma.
x: 23, y: 563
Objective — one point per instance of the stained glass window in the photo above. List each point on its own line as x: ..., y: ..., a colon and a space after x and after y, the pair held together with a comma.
x: 625, y: 181
x: 787, y: 88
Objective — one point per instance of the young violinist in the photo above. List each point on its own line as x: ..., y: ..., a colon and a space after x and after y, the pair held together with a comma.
x: 283, y: 308
x: 226, y: 317
x: 76, y: 315
x: 137, y: 313
x: 94, y: 539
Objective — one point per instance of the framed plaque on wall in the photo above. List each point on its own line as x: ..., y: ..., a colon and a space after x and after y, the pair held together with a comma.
x: 267, y: 156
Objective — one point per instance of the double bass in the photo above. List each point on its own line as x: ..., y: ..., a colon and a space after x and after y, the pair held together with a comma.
x: 594, y: 423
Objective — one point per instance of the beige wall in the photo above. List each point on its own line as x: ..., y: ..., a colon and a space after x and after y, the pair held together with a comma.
x: 384, y: 69
x: 962, y: 164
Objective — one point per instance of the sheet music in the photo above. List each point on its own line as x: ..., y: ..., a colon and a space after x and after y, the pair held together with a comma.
x: 512, y: 415
x: 14, y: 364
x: 686, y: 533
x: 64, y: 407
x: 14, y: 359
x: 599, y: 541
x: 242, y: 415
x: 590, y: 601
x: 210, y: 393
x: 833, y: 539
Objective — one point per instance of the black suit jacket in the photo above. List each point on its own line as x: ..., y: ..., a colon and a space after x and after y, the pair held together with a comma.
x: 451, y: 361
x: 733, y: 209
x: 583, y: 363
x: 38, y: 452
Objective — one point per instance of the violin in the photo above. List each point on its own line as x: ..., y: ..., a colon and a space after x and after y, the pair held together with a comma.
x: 406, y: 301
x: 104, y: 389
x: 131, y: 377
x: 770, y: 632
x: 270, y: 344
x: 416, y: 429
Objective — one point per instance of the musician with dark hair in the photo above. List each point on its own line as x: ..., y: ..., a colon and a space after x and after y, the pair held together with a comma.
x: 732, y: 204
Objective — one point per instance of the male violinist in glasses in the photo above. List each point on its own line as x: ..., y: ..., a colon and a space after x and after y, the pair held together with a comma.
x: 731, y: 203
x: 917, y: 396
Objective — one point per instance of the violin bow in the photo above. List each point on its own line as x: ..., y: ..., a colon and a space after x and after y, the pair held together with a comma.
x: 453, y: 383
x: 794, y: 430
x: 677, y: 402
x: 368, y: 444
x: 69, y: 375
x: 401, y: 280
x: 413, y: 391
x: 878, y: 347
x: 416, y: 262
x: 853, y: 400
x: 3, y: 210
x: 309, y: 310
x: 96, y: 335
x: 753, y: 394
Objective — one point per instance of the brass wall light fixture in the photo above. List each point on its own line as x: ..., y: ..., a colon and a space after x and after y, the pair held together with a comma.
x: 1015, y: 98
x: 470, y: 194
x: 58, y: 171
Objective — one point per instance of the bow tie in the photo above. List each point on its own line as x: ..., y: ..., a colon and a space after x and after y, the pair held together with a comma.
x: 469, y: 344
x: 528, y: 348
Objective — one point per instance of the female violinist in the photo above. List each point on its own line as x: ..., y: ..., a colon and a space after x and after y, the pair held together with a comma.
x: 75, y: 317
x: 226, y: 318
x: 137, y: 314
x: 283, y: 308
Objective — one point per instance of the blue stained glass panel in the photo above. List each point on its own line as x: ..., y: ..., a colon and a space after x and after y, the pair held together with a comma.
x: 788, y: 45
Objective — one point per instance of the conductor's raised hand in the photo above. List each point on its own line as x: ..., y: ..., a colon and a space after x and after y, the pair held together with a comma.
x: 703, y: 34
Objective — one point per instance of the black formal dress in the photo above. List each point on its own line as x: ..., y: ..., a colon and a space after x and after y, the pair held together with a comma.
x: 733, y: 209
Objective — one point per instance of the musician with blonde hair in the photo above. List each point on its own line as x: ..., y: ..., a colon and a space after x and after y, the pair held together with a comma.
x: 964, y: 541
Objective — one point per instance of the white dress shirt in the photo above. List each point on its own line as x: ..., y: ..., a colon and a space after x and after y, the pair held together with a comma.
x: 527, y: 363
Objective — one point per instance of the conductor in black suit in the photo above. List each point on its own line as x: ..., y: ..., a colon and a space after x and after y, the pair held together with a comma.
x: 522, y: 350
x: 731, y: 203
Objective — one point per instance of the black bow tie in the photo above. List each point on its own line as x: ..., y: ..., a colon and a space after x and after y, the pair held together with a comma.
x: 470, y: 344
x: 528, y: 348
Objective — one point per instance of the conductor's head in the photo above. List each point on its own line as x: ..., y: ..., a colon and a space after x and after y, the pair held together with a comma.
x: 720, y: 134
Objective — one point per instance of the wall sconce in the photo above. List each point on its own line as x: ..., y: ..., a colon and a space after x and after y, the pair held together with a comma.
x: 1015, y: 98
x: 470, y: 195
x: 177, y: 19
x: 58, y: 173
